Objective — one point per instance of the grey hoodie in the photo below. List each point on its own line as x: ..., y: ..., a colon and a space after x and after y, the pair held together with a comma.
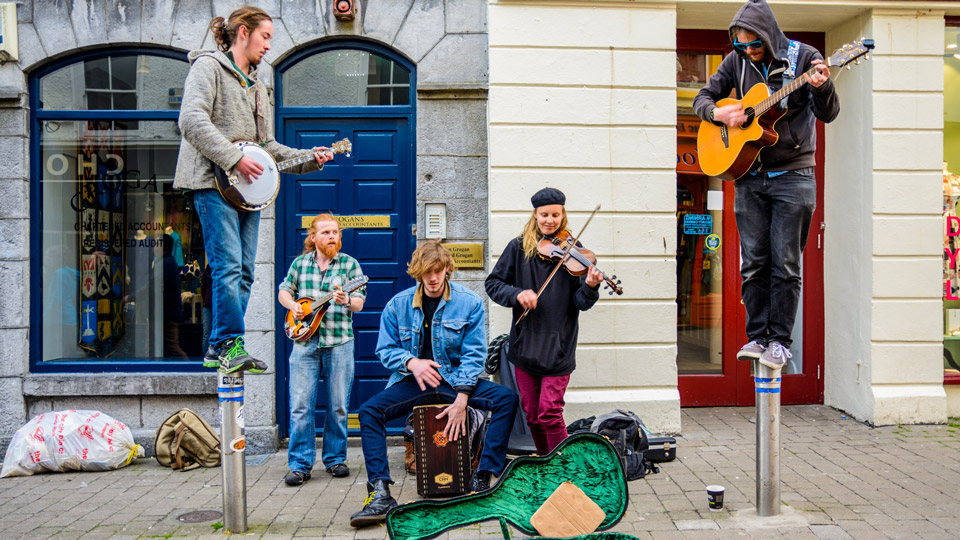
x: 219, y: 108
x: 798, y: 137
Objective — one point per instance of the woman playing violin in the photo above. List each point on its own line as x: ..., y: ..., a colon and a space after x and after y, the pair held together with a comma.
x: 543, y: 346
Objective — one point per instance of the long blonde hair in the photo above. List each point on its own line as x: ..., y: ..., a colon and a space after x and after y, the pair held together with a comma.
x: 309, y: 246
x: 531, y: 234
x: 225, y: 31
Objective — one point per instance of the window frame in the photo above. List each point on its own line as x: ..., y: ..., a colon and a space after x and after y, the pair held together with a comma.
x: 37, y: 115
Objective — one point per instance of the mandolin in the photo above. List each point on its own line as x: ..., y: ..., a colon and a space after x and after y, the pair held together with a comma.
x: 729, y: 152
x: 314, y: 310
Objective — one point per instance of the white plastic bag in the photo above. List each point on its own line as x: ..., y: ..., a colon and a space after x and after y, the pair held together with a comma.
x: 69, y: 441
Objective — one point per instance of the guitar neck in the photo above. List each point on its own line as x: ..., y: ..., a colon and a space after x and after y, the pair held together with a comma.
x: 777, y: 96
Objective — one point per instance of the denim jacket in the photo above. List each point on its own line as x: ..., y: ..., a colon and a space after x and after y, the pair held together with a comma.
x: 459, y: 336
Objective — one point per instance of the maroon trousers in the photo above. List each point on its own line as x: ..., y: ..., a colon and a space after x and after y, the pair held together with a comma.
x: 542, y: 402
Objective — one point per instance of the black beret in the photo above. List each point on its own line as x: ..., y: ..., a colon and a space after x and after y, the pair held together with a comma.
x: 548, y: 195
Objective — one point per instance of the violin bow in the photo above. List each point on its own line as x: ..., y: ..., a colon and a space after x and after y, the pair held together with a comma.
x: 560, y: 262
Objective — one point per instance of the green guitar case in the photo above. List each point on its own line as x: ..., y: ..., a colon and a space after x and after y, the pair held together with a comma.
x: 586, y: 459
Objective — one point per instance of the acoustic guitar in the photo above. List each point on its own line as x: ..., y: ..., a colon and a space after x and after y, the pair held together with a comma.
x: 729, y: 152
x: 259, y: 194
x: 314, y: 310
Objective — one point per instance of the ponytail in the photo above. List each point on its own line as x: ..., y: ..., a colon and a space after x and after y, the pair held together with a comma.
x: 225, y: 30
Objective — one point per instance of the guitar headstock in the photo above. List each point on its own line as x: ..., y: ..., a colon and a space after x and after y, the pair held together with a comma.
x: 851, y: 52
x: 344, y: 147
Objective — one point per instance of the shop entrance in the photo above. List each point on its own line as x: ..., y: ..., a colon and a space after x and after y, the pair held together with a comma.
x: 710, y: 315
x: 363, y: 93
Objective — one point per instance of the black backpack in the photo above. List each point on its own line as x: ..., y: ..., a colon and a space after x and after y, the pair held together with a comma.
x: 623, y: 429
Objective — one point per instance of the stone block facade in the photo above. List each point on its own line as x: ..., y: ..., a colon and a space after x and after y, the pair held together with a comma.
x: 446, y: 40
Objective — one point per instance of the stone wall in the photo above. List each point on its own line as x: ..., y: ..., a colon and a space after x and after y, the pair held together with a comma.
x: 447, y: 41
x: 584, y: 99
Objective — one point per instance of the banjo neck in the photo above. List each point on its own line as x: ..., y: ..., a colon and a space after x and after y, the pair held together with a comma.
x: 340, y: 147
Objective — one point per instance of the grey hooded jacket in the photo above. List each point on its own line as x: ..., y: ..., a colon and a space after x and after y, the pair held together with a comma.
x: 219, y: 108
x: 797, y: 130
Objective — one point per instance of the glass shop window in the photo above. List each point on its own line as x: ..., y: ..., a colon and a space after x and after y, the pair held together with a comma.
x: 122, y: 269
x: 951, y: 199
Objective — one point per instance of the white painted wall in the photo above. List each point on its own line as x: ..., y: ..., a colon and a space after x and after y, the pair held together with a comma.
x: 882, y: 262
x: 584, y: 99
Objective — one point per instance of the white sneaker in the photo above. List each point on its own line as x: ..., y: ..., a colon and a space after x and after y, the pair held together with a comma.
x: 776, y: 355
x: 750, y: 351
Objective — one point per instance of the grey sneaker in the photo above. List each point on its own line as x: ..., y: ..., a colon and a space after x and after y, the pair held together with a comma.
x: 233, y: 357
x: 776, y: 355
x: 750, y: 351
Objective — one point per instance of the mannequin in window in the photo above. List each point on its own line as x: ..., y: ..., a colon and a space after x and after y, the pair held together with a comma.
x: 172, y: 305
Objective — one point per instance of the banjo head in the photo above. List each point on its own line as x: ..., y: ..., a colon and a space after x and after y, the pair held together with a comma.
x: 264, y: 189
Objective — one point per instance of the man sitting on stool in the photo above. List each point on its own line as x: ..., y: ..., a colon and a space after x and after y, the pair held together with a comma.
x: 436, y: 359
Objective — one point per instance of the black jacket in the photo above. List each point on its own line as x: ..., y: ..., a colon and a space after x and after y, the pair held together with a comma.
x: 798, y: 137
x: 545, y: 342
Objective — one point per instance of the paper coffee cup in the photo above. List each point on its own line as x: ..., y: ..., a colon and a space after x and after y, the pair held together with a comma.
x: 715, y: 498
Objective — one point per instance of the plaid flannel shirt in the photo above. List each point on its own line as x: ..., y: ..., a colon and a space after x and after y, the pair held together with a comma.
x: 304, y: 281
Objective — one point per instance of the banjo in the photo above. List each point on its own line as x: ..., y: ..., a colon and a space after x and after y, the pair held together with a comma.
x: 259, y: 194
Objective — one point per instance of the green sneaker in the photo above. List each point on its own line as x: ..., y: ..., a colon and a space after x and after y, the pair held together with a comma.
x: 233, y: 357
x: 211, y: 359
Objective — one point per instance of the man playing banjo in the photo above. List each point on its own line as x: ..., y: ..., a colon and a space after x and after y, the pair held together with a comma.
x: 224, y: 102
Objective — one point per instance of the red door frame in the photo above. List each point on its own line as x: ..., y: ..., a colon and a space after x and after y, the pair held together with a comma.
x: 735, y: 385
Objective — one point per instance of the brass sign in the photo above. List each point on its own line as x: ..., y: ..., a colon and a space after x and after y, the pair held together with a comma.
x: 466, y: 255
x: 353, y: 222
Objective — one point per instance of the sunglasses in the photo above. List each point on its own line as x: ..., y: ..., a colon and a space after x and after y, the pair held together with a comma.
x: 756, y: 44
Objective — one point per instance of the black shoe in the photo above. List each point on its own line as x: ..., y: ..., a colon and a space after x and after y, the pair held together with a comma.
x: 480, y: 481
x: 233, y: 357
x: 376, y: 506
x: 211, y: 359
x: 339, y: 470
x: 296, y: 478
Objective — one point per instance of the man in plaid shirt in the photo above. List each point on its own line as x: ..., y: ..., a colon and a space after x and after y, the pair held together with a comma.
x: 320, y: 270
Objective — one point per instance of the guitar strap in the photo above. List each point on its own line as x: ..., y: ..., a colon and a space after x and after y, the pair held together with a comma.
x: 261, y: 127
x: 793, y: 53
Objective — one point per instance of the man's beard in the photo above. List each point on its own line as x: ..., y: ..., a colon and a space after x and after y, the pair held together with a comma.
x: 329, y: 250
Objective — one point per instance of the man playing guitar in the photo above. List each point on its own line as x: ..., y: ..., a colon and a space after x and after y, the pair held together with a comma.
x: 322, y: 268
x: 224, y: 101
x: 775, y: 201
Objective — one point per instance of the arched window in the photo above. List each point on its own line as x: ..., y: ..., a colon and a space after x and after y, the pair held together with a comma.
x: 346, y: 78
x: 117, y: 254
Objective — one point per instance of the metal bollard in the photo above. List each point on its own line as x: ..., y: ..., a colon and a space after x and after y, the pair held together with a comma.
x: 232, y: 446
x: 767, y: 384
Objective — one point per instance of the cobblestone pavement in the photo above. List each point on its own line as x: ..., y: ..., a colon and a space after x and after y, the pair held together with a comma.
x: 840, y: 479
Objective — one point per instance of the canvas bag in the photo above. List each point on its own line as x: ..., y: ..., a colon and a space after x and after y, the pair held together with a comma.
x: 185, y: 441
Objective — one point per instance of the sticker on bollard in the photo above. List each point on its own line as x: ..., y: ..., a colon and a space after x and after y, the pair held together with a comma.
x: 239, y: 444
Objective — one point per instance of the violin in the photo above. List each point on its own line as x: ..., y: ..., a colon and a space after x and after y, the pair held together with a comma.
x: 577, y: 261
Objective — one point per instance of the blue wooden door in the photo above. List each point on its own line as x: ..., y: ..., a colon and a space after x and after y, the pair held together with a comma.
x: 376, y: 181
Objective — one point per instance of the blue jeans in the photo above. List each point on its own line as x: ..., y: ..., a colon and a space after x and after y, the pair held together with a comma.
x: 773, y: 219
x: 398, y: 401
x: 307, y: 364
x: 206, y: 319
x: 230, y: 240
